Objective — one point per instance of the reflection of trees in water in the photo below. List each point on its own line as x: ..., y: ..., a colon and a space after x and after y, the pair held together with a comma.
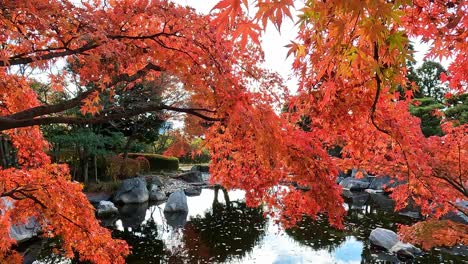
x: 317, y: 234
x: 147, y: 247
x: 227, y: 231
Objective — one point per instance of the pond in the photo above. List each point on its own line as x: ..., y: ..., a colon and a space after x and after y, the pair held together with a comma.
x: 214, y: 231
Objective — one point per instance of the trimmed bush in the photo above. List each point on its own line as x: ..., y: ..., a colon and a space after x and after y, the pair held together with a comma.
x: 158, y: 162
x: 114, y: 165
x: 144, y: 164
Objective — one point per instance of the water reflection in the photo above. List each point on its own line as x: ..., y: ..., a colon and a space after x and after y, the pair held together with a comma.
x: 219, y: 228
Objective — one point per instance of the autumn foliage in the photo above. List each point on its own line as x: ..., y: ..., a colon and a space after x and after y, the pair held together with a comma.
x: 349, y: 57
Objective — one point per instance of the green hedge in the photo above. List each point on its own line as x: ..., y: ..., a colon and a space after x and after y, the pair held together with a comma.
x: 158, y: 162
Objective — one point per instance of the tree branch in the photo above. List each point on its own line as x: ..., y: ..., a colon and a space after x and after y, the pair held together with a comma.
x: 9, y: 123
x: 69, y: 104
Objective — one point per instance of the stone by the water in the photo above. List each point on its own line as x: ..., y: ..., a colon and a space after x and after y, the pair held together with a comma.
x: 106, y: 208
x: 132, y: 191
x: 177, y: 202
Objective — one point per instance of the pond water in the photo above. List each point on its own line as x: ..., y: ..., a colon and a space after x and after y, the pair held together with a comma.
x: 214, y: 231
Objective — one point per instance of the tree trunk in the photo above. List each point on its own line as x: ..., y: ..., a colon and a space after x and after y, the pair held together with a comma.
x: 95, y: 168
x: 123, y: 166
x: 85, y: 160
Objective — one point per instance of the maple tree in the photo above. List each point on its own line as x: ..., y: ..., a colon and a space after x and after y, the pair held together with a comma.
x: 350, y: 57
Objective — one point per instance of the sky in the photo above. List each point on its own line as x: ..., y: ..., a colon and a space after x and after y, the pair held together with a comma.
x: 273, y: 43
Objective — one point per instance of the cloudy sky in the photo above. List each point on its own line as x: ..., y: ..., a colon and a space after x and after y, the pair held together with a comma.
x: 273, y: 42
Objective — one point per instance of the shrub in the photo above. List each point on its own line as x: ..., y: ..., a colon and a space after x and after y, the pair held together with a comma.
x: 144, y: 164
x: 114, y: 166
x: 158, y: 162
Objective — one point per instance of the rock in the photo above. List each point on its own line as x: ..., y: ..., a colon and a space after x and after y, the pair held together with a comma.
x: 354, y: 184
x: 193, y: 191
x: 356, y: 200
x: 405, y: 250
x: 132, y: 191
x: 383, y: 201
x: 190, y: 176
x: 387, y: 239
x: 380, y: 182
x: 458, y: 216
x: 20, y: 232
x: 24, y: 232
x: 156, y: 180
x: 384, y: 183
x: 177, y: 202
x: 201, y: 168
x: 411, y: 214
x: 96, y: 198
x: 155, y: 194
x: 373, y: 191
x: 383, y: 238
x: 106, y: 208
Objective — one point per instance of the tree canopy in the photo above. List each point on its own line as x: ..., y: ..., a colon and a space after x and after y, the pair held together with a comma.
x: 349, y: 56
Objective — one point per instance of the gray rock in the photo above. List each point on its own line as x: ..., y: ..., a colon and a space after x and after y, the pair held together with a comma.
x: 383, y: 238
x: 354, y: 184
x: 132, y: 191
x: 373, y: 191
x: 106, y: 208
x: 384, y: 183
x: 411, y: 214
x: 20, y: 232
x: 155, y: 194
x: 383, y: 201
x: 201, y: 168
x: 156, y: 180
x: 387, y: 239
x: 24, y: 232
x: 405, y: 250
x: 177, y: 202
x: 190, y: 176
x: 356, y: 199
x: 96, y: 198
x: 458, y: 216
x: 192, y: 191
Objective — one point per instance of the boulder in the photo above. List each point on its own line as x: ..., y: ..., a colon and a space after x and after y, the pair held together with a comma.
x: 383, y: 238
x: 193, y: 191
x: 177, y: 202
x: 387, y: 239
x: 383, y: 183
x: 356, y: 199
x: 190, y: 176
x: 155, y: 194
x: 201, y: 168
x: 354, y: 184
x: 458, y: 216
x: 24, y: 232
x: 20, y: 232
x: 96, y: 198
x: 106, y: 208
x: 132, y: 191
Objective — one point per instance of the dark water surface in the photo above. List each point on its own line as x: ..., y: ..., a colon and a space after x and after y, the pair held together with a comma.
x: 214, y: 231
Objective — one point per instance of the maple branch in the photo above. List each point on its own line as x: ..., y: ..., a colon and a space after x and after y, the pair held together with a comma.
x: 48, y: 56
x: 377, y: 92
x: 9, y: 123
x: 69, y: 104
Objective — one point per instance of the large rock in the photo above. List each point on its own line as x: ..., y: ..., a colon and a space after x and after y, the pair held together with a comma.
x: 96, y: 198
x: 177, y: 202
x: 353, y: 184
x: 201, y: 168
x: 387, y: 239
x: 155, y: 194
x: 383, y: 238
x: 24, y: 232
x: 458, y: 216
x: 193, y: 191
x: 20, y: 232
x: 132, y: 191
x: 106, y: 208
x: 190, y: 176
x: 384, y: 183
